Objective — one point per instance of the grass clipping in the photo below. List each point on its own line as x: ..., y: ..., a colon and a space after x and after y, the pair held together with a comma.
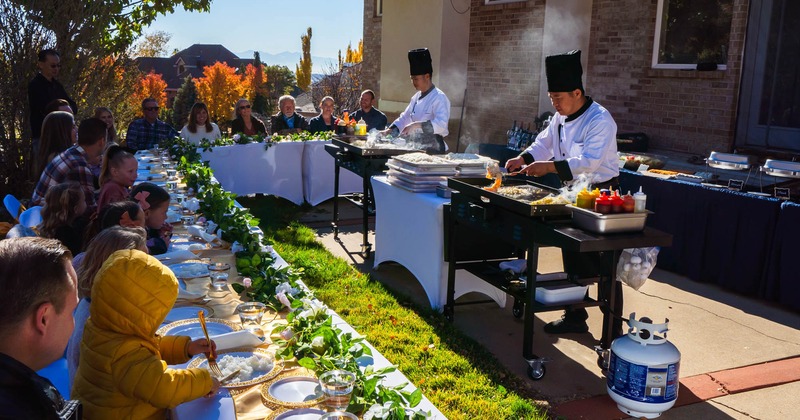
x: 460, y: 377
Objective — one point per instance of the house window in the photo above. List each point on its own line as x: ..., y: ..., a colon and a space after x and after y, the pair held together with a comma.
x: 181, y: 69
x: 689, y: 32
x: 378, y: 8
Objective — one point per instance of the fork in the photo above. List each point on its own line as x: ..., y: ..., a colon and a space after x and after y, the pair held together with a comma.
x: 211, y: 356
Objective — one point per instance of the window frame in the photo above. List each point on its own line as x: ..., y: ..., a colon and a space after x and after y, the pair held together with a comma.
x: 378, y: 8
x: 657, y: 43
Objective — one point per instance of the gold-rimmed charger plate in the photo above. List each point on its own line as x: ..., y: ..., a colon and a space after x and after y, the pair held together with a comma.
x: 192, y: 328
x: 307, y: 413
x: 295, y: 390
x: 184, y: 312
x: 200, y: 361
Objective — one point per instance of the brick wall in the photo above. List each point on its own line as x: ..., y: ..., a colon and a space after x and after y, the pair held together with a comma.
x: 680, y: 110
x: 371, y: 63
x: 505, y: 52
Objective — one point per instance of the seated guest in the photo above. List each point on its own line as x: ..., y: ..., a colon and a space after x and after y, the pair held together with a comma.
x: 39, y: 296
x: 59, y: 132
x: 119, y: 213
x: 103, y: 245
x: 123, y: 370
x: 374, y: 118
x: 57, y: 105
x: 117, y: 175
x: 73, y: 164
x: 244, y: 122
x: 286, y: 121
x: 107, y: 116
x: 63, y: 207
x: 325, y: 121
x: 154, y: 200
x: 148, y: 132
x: 200, y: 126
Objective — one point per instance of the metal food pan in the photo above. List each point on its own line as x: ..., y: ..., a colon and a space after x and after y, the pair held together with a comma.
x: 733, y: 166
x: 607, y: 223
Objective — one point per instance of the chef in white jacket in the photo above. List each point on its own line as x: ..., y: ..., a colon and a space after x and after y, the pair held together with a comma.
x: 582, y: 135
x: 426, y: 116
x: 581, y: 139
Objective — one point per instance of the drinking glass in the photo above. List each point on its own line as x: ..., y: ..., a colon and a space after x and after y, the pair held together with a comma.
x: 172, y: 173
x: 337, y: 386
x: 179, y: 199
x: 172, y: 185
x: 250, y: 313
x: 219, y: 275
x: 187, y: 220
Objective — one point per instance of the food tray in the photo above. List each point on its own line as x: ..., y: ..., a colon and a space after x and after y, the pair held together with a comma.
x: 633, y: 160
x: 419, y: 170
x: 417, y: 179
x: 780, y: 168
x: 607, y: 223
x: 424, y: 188
x: 690, y: 178
x: 560, y: 295
x: 473, y: 187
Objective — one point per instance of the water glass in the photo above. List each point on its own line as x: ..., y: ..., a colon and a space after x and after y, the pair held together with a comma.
x: 187, y: 220
x: 337, y: 386
x: 250, y: 313
x: 219, y: 275
x: 172, y: 185
x: 172, y: 173
x: 179, y: 199
x: 339, y: 415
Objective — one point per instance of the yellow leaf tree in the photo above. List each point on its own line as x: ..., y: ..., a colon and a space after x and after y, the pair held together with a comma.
x: 151, y: 85
x: 220, y: 88
x: 303, y: 70
x: 354, y: 55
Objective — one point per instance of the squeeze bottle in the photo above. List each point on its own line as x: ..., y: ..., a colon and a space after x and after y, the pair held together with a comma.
x: 639, y: 199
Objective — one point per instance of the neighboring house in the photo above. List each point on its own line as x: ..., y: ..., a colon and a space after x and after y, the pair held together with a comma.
x: 190, y: 61
x: 494, y: 51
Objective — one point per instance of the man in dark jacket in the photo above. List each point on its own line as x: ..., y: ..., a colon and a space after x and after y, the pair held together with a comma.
x: 43, y: 89
x: 39, y: 295
x: 286, y: 121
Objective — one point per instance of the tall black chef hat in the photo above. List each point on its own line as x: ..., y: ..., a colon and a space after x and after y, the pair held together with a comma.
x: 564, y: 72
x: 420, y: 61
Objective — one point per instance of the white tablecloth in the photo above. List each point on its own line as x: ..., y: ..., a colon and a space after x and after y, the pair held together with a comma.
x: 409, y: 230
x: 250, y: 169
x: 318, y: 176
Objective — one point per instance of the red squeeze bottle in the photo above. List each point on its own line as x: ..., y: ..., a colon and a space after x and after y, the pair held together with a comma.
x: 616, y: 203
x: 628, y: 203
x: 602, y: 204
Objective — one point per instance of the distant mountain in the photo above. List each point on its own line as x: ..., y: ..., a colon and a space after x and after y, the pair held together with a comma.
x: 319, y: 65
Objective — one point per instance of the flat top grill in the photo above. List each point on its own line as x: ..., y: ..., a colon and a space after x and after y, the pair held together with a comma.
x: 347, y: 143
x: 473, y: 187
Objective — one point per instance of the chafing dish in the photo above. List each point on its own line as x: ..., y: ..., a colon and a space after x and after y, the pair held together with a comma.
x: 728, y: 161
x: 781, y: 168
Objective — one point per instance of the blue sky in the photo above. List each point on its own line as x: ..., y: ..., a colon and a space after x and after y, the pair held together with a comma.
x: 272, y: 26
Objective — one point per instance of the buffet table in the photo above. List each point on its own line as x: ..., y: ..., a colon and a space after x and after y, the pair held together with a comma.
x: 409, y: 230
x: 296, y: 171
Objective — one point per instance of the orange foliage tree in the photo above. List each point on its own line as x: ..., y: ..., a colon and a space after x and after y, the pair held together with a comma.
x: 151, y: 85
x: 255, y: 85
x: 220, y: 88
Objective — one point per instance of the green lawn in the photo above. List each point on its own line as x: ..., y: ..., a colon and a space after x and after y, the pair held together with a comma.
x: 461, y: 378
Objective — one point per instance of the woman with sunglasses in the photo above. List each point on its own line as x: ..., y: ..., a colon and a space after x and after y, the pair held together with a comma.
x: 199, y: 126
x: 244, y: 122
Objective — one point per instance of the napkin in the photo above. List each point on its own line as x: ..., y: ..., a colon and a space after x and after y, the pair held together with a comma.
x: 517, y: 266
x: 187, y: 296
x: 193, y: 204
x: 198, y: 231
x: 235, y: 339
x: 175, y: 257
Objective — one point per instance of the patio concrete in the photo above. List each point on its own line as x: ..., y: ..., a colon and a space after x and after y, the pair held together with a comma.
x: 717, y: 332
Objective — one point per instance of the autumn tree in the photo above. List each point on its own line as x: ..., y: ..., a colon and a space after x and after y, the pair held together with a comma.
x: 354, y: 55
x: 151, y: 85
x: 303, y: 70
x: 343, y: 86
x: 182, y: 105
x: 260, y: 94
x: 280, y: 80
x: 152, y: 44
x: 220, y: 88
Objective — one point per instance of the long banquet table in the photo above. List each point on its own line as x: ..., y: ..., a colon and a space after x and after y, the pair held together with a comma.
x: 740, y: 241
x: 297, y: 171
x: 409, y: 230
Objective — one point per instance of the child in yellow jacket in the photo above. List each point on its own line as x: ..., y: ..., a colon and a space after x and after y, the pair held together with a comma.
x: 123, y: 369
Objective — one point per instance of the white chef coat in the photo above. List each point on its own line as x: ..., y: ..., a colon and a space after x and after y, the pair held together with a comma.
x: 587, y: 143
x: 434, y: 107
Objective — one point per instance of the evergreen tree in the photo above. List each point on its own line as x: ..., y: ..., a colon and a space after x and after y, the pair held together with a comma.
x: 303, y: 70
x: 184, y: 99
x: 260, y: 101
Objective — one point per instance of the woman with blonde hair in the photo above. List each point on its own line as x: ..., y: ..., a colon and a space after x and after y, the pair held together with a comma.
x: 244, y: 122
x: 325, y: 121
x: 102, y: 246
x: 199, y: 126
x: 107, y: 116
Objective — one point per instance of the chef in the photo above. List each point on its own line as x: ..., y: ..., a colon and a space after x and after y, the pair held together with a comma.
x: 426, y: 117
x: 581, y: 139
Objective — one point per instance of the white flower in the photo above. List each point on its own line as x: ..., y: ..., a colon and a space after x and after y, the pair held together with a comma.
x: 318, y: 341
x: 247, y: 281
x: 312, y: 308
x: 287, y: 288
x: 283, y: 299
x: 236, y: 137
x: 287, y: 334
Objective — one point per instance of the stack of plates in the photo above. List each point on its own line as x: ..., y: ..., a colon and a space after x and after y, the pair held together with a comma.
x: 420, y: 172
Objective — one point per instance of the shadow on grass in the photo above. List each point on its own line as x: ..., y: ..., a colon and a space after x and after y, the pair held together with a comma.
x: 387, y: 317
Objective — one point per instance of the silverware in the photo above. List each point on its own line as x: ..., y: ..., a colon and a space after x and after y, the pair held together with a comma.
x: 230, y: 377
x: 212, y: 357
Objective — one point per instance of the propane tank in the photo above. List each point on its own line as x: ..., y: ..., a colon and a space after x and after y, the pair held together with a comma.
x: 643, y: 369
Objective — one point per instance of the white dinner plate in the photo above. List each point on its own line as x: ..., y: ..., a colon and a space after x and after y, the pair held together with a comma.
x: 191, y: 327
x: 293, y: 391
x: 297, y: 414
x: 190, y: 270
x: 179, y: 313
x: 244, y: 379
